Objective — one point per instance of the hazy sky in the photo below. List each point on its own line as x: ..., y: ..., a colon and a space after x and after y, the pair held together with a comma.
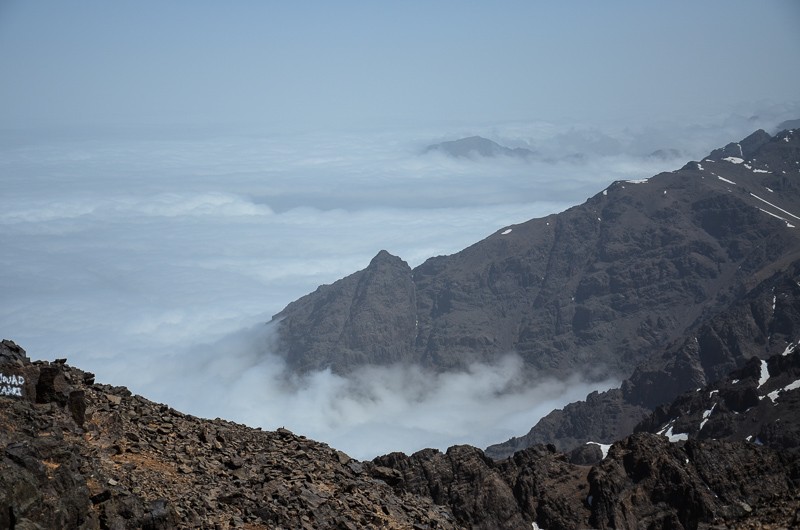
x: 314, y: 64
x: 173, y: 173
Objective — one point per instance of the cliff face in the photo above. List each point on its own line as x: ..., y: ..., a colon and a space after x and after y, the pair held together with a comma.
x: 665, y: 284
x: 602, y: 285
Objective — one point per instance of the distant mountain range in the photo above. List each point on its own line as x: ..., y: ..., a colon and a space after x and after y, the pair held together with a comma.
x: 664, y: 283
x: 476, y: 146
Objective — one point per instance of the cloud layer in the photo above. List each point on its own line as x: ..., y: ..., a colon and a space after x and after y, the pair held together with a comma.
x: 142, y: 258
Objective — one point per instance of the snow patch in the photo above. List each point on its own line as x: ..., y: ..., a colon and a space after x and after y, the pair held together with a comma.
x: 776, y: 207
x: 706, y: 415
x: 505, y: 232
x: 733, y: 159
x: 700, y: 167
x: 639, y: 181
x: 734, y: 381
x: 769, y: 190
x: 792, y: 386
x: 760, y: 171
x: 667, y: 431
x: 710, y: 394
x: 603, y: 447
x: 726, y: 180
x: 605, y: 192
x: 789, y: 349
x: 764, y: 374
x: 748, y: 166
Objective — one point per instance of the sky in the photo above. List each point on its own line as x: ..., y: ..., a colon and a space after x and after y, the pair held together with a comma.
x: 314, y: 65
x: 175, y: 173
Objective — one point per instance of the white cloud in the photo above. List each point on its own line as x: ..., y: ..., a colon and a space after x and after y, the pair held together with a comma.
x: 130, y: 252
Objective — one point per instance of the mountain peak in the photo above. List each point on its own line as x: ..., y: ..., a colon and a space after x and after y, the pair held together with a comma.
x: 478, y: 146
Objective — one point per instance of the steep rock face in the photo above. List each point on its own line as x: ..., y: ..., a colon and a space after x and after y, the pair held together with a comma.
x: 758, y: 324
x: 367, y: 318
x: 597, y: 289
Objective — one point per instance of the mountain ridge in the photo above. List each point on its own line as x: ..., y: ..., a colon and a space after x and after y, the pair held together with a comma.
x: 599, y: 289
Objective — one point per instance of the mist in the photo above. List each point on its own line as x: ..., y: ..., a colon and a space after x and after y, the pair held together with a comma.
x: 155, y: 258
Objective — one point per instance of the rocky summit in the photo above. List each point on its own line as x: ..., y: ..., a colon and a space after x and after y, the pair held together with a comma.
x: 665, y: 283
x: 81, y: 454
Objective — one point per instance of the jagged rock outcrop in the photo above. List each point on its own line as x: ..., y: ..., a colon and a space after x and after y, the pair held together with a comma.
x: 645, y: 481
x: 126, y: 462
x: 77, y: 454
x: 367, y: 318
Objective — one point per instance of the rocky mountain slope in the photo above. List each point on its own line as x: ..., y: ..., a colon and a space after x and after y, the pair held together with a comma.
x: 621, y: 285
x: 79, y: 454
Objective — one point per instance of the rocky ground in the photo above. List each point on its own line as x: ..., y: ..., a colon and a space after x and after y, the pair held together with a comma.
x: 80, y: 454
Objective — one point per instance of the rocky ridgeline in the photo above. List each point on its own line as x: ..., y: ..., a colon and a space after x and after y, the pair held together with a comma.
x: 78, y: 454
x: 664, y: 284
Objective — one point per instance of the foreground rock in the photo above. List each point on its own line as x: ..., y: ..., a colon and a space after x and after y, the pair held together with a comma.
x: 77, y: 454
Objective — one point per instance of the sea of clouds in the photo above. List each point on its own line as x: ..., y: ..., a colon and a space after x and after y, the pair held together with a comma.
x: 155, y: 258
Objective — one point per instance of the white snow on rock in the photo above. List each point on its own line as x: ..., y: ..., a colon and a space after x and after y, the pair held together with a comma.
x: 760, y: 171
x: 733, y: 159
x: 769, y: 190
x: 700, y: 167
x: 706, y: 415
x: 776, y: 207
x: 792, y: 386
x: 723, y: 179
x: 789, y: 349
x: 605, y: 192
x: 681, y: 437
x: 764, y: 374
x: 505, y: 232
x: 667, y: 431
x: 734, y: 381
x: 639, y: 181
x: 603, y: 447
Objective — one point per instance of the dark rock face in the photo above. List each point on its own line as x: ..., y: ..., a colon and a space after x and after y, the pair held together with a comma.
x: 761, y: 322
x: 664, y: 284
x: 603, y: 285
x: 368, y: 317
x: 644, y: 482
x: 477, y: 146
